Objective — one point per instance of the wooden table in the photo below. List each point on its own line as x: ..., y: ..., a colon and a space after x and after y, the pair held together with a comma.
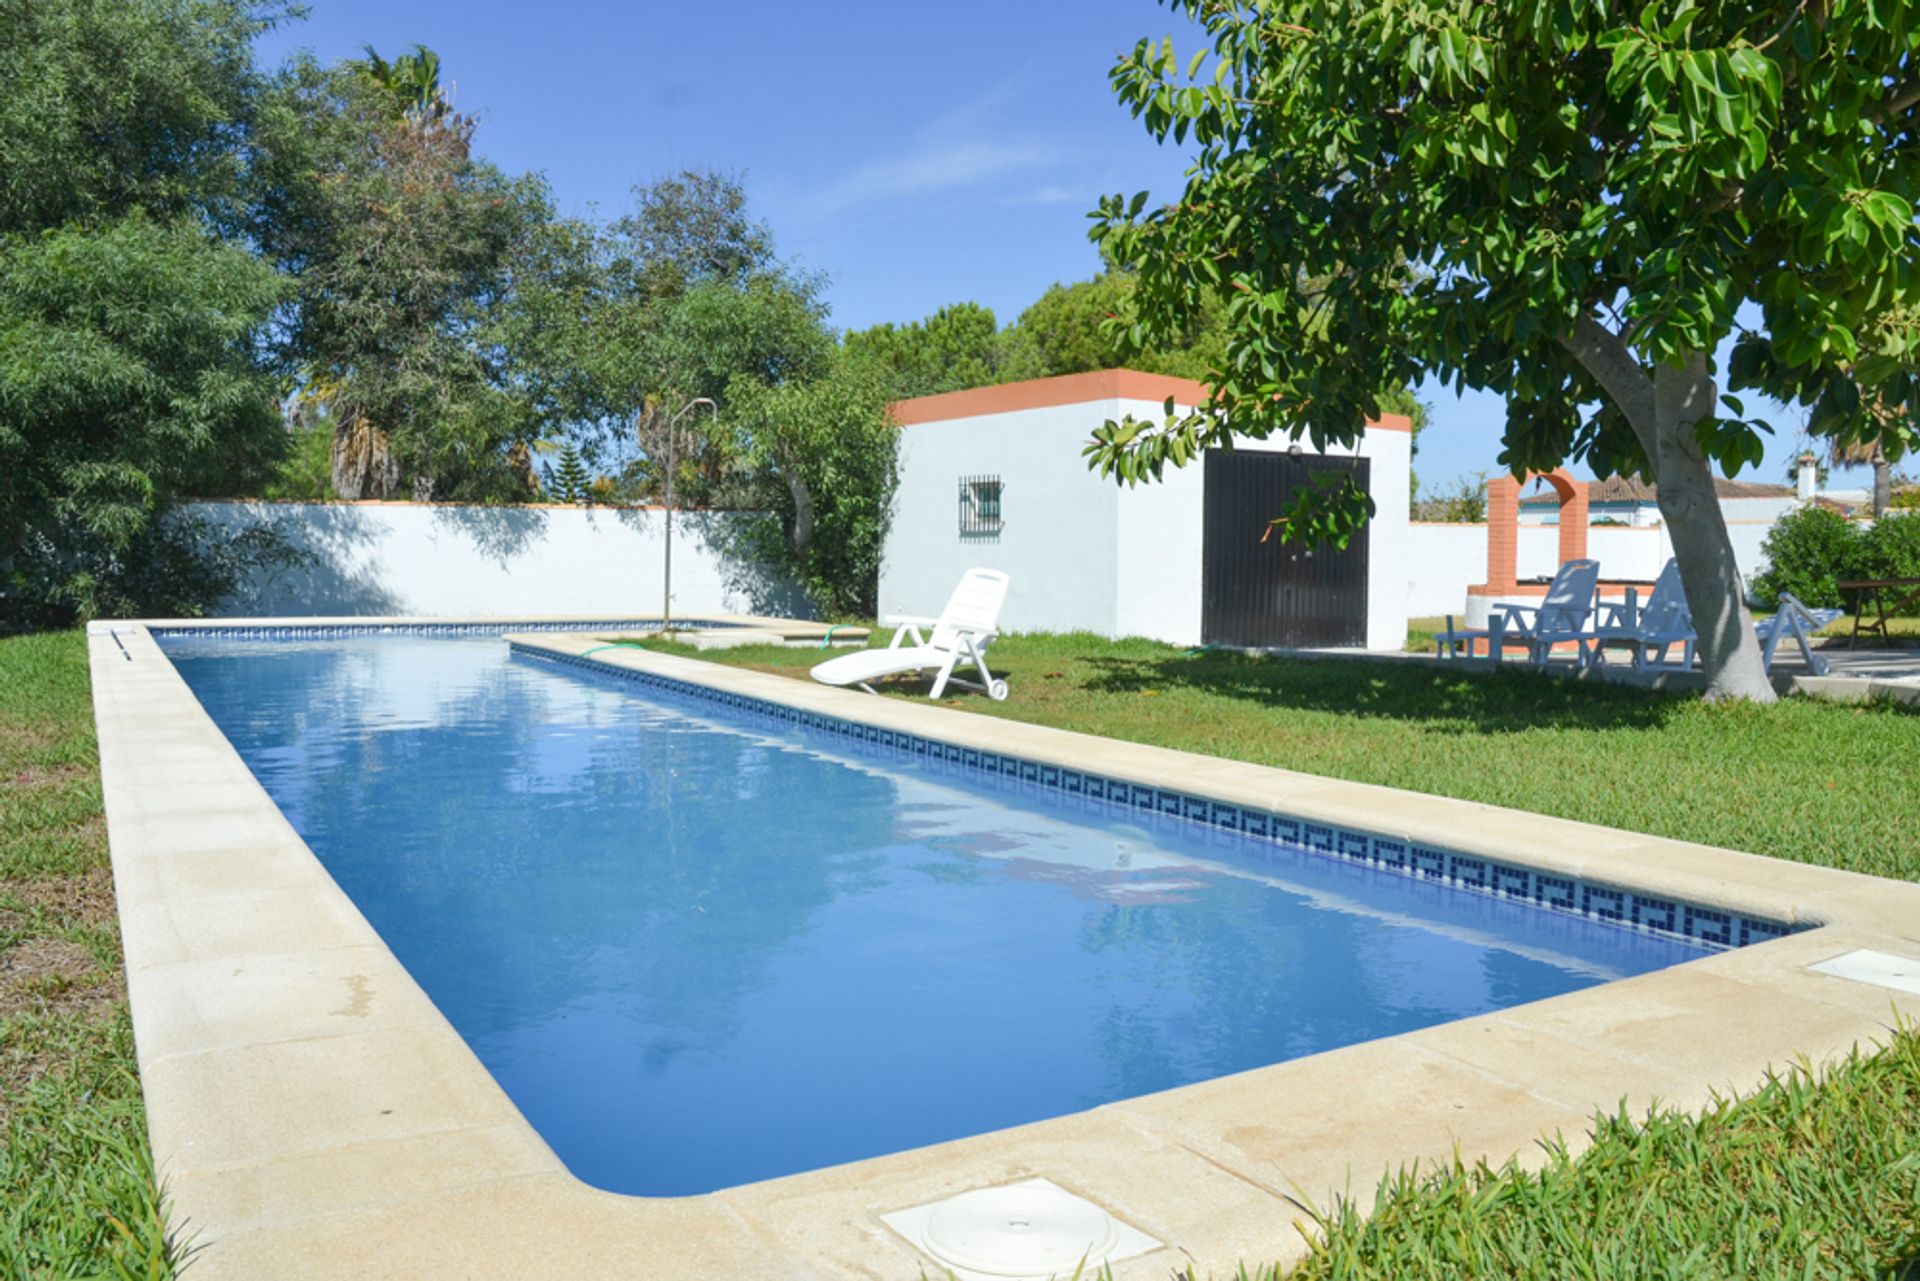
x: 1905, y: 600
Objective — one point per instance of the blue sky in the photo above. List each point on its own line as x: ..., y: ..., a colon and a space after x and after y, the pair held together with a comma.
x: 916, y: 154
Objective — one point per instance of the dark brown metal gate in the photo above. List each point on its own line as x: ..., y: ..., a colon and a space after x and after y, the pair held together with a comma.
x: 1275, y: 593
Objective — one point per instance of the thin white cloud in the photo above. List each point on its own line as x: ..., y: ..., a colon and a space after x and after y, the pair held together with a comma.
x: 964, y: 147
x: 929, y: 170
x: 1050, y: 193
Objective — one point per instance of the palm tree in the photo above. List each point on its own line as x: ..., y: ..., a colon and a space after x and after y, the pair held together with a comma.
x: 413, y: 81
x: 1852, y: 453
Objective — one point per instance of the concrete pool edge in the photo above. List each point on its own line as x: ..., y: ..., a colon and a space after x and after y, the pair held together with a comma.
x: 314, y: 1114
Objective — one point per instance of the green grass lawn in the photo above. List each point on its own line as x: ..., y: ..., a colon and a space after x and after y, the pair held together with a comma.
x: 1816, y: 1179
x: 77, y: 1197
x: 1822, y: 782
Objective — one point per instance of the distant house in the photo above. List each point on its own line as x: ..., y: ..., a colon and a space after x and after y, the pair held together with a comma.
x: 1615, y: 500
x: 1619, y: 500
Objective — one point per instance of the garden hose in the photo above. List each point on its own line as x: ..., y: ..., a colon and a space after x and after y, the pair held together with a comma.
x: 610, y: 645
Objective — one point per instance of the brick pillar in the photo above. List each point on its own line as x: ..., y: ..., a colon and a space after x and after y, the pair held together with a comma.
x: 1573, y: 515
x: 1503, y: 532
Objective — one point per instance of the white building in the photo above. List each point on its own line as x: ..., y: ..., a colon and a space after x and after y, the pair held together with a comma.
x: 995, y: 477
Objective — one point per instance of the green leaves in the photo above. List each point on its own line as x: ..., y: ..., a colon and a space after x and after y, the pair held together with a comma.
x: 1131, y: 451
x: 1734, y: 443
x: 129, y: 376
x: 1326, y: 512
x: 1447, y: 189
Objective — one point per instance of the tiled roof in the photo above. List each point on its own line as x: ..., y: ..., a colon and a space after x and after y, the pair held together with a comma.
x: 1750, y: 489
x: 1626, y: 489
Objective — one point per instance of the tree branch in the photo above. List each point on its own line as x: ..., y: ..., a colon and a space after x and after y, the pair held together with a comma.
x: 1603, y: 353
x: 1785, y: 27
x: 1903, y: 100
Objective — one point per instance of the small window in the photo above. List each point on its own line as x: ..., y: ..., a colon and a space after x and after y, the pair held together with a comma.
x: 980, y: 505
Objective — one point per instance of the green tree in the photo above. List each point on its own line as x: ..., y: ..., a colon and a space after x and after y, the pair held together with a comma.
x: 570, y: 482
x: 612, y: 328
x: 957, y: 347
x: 616, y: 328
x: 826, y: 457
x: 1591, y: 197
x: 402, y: 246
x: 411, y: 83
x: 129, y: 379
x: 1085, y: 326
x: 112, y: 105
x: 130, y: 322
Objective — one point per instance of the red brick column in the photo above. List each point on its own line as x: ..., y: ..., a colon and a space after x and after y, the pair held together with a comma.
x: 1573, y: 514
x: 1503, y: 533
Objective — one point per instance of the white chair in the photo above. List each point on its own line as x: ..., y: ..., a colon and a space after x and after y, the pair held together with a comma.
x: 1652, y: 630
x: 1800, y: 622
x: 960, y: 635
x: 1559, y: 618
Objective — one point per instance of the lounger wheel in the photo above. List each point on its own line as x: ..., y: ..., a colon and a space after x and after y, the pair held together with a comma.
x: 997, y: 691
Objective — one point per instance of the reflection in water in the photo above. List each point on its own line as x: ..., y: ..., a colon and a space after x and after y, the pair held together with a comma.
x: 698, y: 947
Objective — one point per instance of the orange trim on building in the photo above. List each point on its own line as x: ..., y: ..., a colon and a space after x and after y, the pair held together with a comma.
x: 1069, y: 389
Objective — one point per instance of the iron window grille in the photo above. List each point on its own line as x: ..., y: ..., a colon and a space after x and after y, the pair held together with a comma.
x: 980, y: 505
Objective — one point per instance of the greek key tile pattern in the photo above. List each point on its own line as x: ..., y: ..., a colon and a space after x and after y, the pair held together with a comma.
x: 1629, y: 909
x: 266, y: 632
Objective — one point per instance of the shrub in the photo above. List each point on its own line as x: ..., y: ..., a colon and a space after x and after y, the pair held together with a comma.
x: 1891, y: 549
x: 129, y: 375
x: 179, y: 566
x: 1808, y: 553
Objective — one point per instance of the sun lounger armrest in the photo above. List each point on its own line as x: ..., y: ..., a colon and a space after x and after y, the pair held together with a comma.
x: 906, y: 629
x: 1613, y: 613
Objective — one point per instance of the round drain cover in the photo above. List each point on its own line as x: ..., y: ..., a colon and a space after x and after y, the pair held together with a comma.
x: 1024, y: 1230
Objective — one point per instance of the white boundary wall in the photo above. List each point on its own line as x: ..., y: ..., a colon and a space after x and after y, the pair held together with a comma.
x: 1443, y: 560
x: 1085, y: 553
x: 451, y: 559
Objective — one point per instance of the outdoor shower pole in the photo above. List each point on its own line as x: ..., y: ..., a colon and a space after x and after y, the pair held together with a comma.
x: 666, y: 585
x: 666, y: 577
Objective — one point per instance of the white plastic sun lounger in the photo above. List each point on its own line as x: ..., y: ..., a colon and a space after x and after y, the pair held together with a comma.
x: 1558, y: 619
x: 1800, y: 622
x: 1654, y: 630
x: 960, y: 636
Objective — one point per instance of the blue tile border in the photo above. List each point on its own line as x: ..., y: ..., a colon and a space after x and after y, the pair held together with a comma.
x: 266, y: 631
x: 1620, y: 906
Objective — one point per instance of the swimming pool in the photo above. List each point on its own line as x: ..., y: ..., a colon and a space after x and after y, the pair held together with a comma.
x: 699, y: 946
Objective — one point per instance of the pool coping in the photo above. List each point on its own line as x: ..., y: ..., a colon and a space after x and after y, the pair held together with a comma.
x: 312, y: 1113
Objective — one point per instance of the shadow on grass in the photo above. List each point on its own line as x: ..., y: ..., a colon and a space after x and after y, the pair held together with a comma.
x: 1505, y: 701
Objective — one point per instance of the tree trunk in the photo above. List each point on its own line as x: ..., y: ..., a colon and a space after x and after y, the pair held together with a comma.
x: 1664, y: 410
x: 1882, y: 484
x: 1729, y: 650
x: 802, y: 535
x: 362, y: 459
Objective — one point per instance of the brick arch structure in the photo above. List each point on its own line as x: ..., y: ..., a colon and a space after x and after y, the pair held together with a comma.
x: 1503, y: 524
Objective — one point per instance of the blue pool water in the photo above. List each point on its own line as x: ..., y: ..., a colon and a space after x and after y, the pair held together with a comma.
x: 699, y: 946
